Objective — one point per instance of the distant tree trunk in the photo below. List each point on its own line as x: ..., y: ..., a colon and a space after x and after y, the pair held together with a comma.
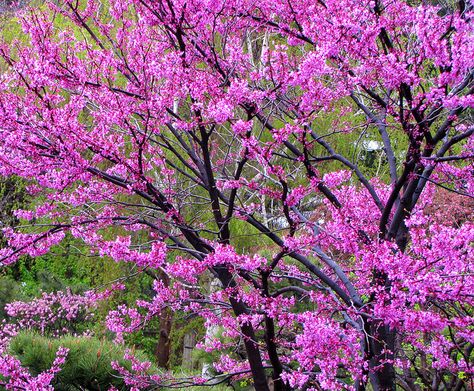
x: 188, y: 346
x: 163, y: 349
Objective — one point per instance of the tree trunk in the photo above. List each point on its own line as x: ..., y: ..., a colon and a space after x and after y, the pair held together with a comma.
x: 248, y: 334
x: 382, y: 345
x: 163, y: 349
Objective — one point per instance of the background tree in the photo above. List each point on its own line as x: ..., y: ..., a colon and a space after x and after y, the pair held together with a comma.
x: 181, y: 126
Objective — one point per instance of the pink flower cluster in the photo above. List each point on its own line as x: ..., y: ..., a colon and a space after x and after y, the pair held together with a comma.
x: 56, y: 313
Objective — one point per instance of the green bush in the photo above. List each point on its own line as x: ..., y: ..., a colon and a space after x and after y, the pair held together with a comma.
x: 87, y: 366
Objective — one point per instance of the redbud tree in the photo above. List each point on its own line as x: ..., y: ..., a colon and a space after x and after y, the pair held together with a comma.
x: 329, y: 134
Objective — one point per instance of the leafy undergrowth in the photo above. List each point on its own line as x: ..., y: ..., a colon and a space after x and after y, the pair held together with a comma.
x: 87, y: 365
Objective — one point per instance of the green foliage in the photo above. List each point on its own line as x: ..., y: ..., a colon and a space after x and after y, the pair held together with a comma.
x: 10, y: 290
x: 146, y: 339
x: 244, y: 237
x: 12, y: 196
x: 10, y: 29
x: 67, y: 265
x: 87, y: 365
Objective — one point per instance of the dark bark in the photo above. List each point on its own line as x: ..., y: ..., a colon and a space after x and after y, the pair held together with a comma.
x: 278, y: 383
x: 163, y: 349
x: 253, y: 352
x: 382, y: 345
